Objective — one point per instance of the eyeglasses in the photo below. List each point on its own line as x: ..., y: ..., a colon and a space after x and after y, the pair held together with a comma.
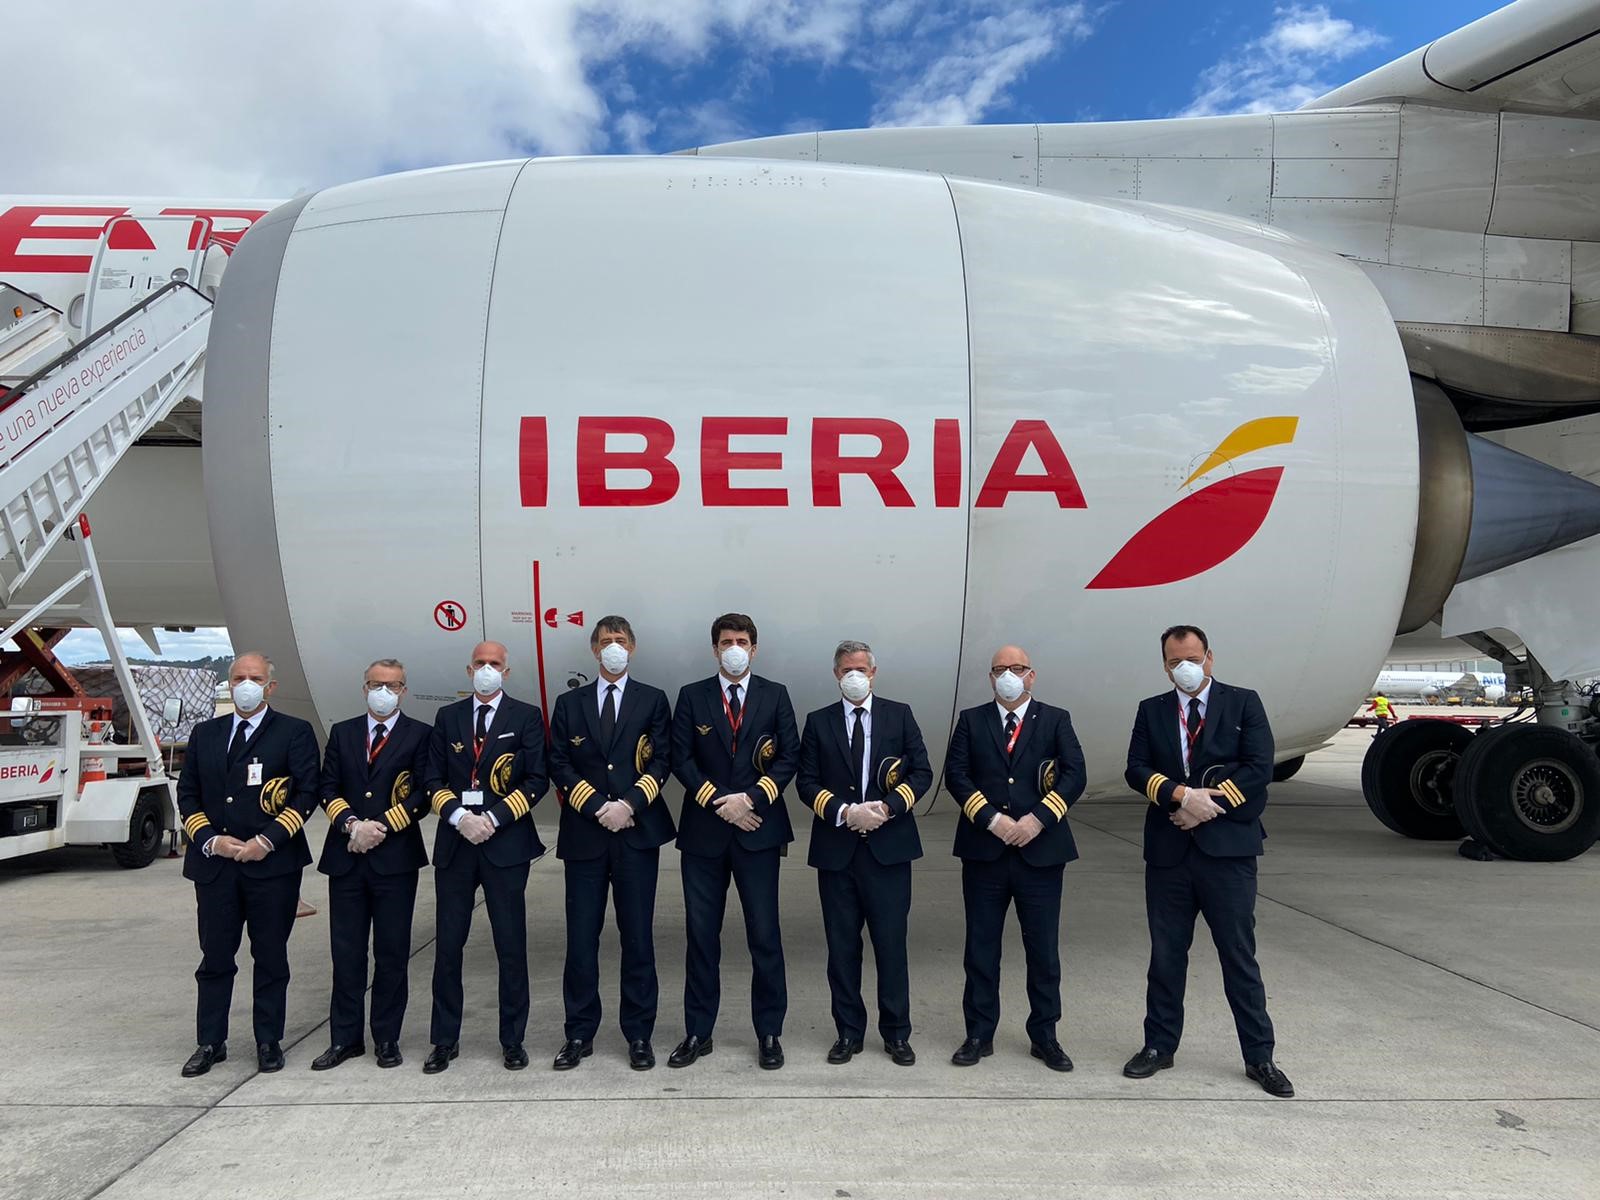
x: 1014, y: 668
x: 396, y: 688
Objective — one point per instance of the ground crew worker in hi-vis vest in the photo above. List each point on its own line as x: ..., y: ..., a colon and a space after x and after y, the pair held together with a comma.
x: 1381, y: 709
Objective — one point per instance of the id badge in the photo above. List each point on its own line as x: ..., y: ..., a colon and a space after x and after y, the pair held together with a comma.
x: 254, y: 778
x: 472, y: 799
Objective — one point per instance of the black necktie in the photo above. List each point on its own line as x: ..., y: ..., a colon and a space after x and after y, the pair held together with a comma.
x: 734, y: 708
x: 1011, y: 730
x: 378, y: 734
x: 483, y: 727
x: 858, y: 745
x: 608, y: 715
x: 1195, y: 722
x: 241, y: 735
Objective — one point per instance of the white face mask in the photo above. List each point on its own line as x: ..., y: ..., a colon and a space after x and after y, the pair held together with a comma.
x: 247, y: 695
x: 1009, y: 687
x: 1189, y: 676
x: 614, y: 657
x: 856, y: 686
x: 735, y: 661
x: 486, y: 680
x: 381, y: 701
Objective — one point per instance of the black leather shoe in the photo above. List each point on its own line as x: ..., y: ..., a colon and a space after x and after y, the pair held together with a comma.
x: 439, y: 1058
x: 1273, y: 1081
x: 1146, y: 1063
x: 688, y: 1050
x: 771, y: 1055
x: 334, y: 1055
x: 971, y: 1051
x: 269, y: 1057
x: 202, y: 1059
x: 1053, y: 1055
x: 844, y: 1050
x: 901, y: 1052
x: 641, y: 1056
x: 388, y: 1054
x: 571, y: 1054
x: 515, y: 1057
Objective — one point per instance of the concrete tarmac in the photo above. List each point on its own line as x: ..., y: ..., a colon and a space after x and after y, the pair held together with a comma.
x: 1440, y: 1019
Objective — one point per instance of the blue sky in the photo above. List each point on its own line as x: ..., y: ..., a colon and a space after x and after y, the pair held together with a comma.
x: 395, y: 84
x: 327, y: 93
x: 1132, y: 60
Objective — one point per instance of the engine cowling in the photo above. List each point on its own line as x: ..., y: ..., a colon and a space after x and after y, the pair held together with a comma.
x: 935, y: 415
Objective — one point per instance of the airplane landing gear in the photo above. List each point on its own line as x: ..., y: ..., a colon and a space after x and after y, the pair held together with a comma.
x: 1409, y: 776
x: 1530, y: 792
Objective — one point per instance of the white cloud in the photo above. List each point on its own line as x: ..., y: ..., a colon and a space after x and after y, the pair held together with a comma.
x: 634, y: 128
x: 86, y: 645
x: 969, y: 78
x: 1284, y: 68
x: 263, y: 98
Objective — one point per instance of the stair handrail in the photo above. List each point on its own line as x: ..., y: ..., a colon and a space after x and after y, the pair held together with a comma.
x: 60, y: 360
x: 34, y: 296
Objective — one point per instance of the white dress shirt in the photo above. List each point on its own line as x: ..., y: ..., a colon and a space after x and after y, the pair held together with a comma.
x: 600, y: 686
x: 850, y: 707
x: 742, y: 684
x: 492, y: 705
x: 388, y: 724
x: 251, y: 724
x: 1022, y: 715
x: 1204, y: 696
x: 494, y: 708
x: 1021, y: 711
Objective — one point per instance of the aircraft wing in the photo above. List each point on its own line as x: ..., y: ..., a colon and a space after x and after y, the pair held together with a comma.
x: 1531, y: 56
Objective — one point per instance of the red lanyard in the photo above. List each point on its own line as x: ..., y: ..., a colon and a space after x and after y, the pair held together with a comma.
x: 727, y: 711
x: 477, y: 747
x: 1190, y: 737
x: 1016, y: 730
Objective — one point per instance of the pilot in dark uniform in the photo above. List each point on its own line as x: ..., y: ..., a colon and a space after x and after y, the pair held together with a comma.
x: 1202, y: 757
x: 1015, y: 767
x: 609, y: 754
x: 734, y: 749
x: 863, y: 768
x: 372, y: 773
x: 249, y: 782
x: 486, y: 771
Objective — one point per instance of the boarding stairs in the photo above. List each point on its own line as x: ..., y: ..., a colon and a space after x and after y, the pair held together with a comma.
x: 32, y: 333
x: 66, y: 424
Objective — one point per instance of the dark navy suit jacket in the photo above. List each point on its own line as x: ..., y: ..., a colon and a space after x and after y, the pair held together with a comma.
x: 985, y: 779
x: 633, y: 768
x: 215, y: 795
x: 1233, y: 753
x: 389, y: 791
x: 511, y: 774
x: 710, y: 762
x: 827, y: 782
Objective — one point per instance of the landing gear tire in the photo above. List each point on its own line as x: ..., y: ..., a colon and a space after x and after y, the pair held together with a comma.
x: 1530, y: 792
x: 1288, y: 769
x: 145, y: 829
x: 1408, y: 778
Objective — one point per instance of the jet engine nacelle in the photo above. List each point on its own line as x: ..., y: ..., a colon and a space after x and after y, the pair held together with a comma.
x: 935, y: 415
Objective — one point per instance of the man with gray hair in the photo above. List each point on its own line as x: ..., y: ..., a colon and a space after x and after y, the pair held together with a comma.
x: 863, y: 767
x: 248, y: 784
x: 372, y: 790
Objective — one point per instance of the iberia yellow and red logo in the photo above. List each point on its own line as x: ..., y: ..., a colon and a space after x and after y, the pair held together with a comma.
x: 1209, y: 526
